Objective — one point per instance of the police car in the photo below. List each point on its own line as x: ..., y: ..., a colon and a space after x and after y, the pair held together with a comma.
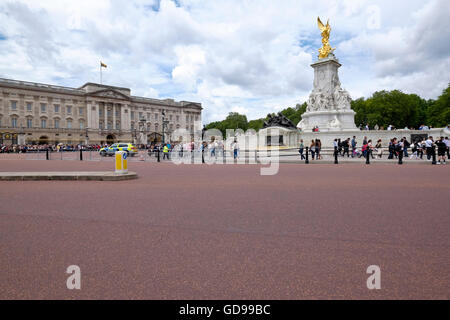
x: 127, y: 147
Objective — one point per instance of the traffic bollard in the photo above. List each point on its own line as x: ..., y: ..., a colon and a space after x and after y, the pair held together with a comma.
x: 47, y: 157
x: 434, y: 156
x: 307, y: 155
x: 400, y: 157
x: 336, y: 156
x: 159, y: 156
x: 368, y: 156
x: 81, y: 154
x: 121, y: 162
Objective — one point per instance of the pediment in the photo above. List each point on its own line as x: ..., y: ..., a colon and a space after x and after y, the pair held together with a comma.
x: 109, y: 93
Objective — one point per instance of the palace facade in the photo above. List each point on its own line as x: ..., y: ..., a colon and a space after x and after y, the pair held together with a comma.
x: 35, y: 113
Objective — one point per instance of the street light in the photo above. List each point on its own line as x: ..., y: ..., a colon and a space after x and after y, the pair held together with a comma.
x: 164, y: 123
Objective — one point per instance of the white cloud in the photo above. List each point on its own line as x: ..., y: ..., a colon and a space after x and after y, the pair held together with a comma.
x: 253, y: 56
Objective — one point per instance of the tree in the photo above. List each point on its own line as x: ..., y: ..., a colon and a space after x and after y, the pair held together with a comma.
x: 438, y: 113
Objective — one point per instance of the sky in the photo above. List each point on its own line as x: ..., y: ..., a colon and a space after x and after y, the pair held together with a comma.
x: 246, y: 56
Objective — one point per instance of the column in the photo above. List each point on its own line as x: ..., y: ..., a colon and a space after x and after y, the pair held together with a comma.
x: 114, y: 116
x: 105, y: 111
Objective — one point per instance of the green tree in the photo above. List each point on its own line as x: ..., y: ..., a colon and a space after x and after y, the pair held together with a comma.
x: 438, y: 113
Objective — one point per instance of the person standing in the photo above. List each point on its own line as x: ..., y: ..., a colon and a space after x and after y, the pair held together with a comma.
x: 312, y: 149
x: 235, y: 149
x: 429, y: 147
x: 406, y: 145
x: 346, y: 146
x: 379, y: 149
x: 447, y: 143
x: 442, y: 148
x: 300, y: 149
x: 166, y: 152
x: 354, y: 143
x: 399, y: 149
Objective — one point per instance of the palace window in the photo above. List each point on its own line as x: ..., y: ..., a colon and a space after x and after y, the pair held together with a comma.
x: 117, y: 112
x: 29, y: 123
x: 109, y: 125
x: 69, y: 124
x: 178, y: 118
x: 132, y: 125
x: 43, y: 123
x: 43, y: 107
x: 69, y: 109
x: 56, y: 123
x: 80, y: 111
x: 14, y: 122
x: 29, y: 106
x: 100, y: 125
x: 81, y: 124
x: 13, y: 105
x: 132, y: 115
x: 56, y: 108
x: 100, y: 112
x: 109, y: 113
x: 117, y: 125
x: 156, y: 117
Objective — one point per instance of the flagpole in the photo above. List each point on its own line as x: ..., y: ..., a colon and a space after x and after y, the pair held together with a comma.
x: 101, y: 73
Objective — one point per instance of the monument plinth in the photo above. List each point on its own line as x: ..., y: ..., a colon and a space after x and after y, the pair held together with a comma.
x: 329, y: 106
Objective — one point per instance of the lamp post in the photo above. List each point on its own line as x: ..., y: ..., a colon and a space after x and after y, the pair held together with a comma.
x: 164, y: 123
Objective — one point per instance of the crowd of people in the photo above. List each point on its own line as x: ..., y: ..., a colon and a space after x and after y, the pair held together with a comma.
x: 397, y: 148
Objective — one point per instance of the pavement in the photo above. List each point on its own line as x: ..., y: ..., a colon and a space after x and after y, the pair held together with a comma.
x: 226, y: 232
x: 76, y: 175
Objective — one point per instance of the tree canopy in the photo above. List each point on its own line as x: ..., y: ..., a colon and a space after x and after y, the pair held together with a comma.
x: 383, y: 108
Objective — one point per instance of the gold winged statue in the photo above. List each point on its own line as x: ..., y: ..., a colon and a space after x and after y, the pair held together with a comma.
x: 326, y: 48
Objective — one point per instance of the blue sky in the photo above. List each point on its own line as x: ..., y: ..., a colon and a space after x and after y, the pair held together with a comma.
x: 249, y: 56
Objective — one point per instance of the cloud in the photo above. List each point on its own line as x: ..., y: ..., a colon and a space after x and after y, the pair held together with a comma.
x: 253, y: 56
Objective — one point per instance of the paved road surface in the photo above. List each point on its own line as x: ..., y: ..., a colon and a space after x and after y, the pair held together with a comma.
x: 225, y: 232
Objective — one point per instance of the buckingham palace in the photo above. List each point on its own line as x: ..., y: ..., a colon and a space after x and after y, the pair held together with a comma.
x: 35, y: 113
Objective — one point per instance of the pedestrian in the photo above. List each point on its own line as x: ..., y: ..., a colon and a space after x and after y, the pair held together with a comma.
x: 442, y: 148
x: 447, y: 143
x: 379, y: 149
x: 354, y: 143
x: 346, y: 147
x: 312, y: 149
x: 429, y: 147
x: 300, y: 149
x: 235, y: 149
x: 406, y: 145
x: 318, y: 145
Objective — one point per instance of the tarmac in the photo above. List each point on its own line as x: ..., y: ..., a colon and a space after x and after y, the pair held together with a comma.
x: 226, y: 232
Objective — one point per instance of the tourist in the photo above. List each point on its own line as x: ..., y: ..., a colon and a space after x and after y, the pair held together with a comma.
x: 415, y: 150
x: 235, y: 148
x: 370, y: 149
x: 377, y: 127
x: 379, y: 149
x: 429, y: 147
x: 300, y: 149
x: 354, y: 143
x: 339, y: 143
x: 367, y: 127
x: 318, y: 145
x: 399, y: 149
x: 447, y: 143
x: 442, y: 148
x: 312, y: 148
x: 346, y: 147
x: 389, y: 128
x: 406, y: 145
x: 336, y: 147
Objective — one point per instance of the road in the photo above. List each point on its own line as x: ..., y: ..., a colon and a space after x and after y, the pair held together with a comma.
x: 226, y: 232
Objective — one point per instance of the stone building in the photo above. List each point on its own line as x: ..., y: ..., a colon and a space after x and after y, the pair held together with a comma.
x: 35, y: 113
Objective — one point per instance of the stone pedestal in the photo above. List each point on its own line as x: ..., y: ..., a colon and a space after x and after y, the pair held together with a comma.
x: 328, y: 105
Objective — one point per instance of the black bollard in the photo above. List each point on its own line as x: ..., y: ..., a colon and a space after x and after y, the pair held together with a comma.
x: 434, y: 156
x: 307, y: 156
x: 203, y: 156
x: 368, y: 156
x: 336, y: 156
x: 81, y: 154
x: 47, y: 157
x: 159, y: 155
x: 400, y: 157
